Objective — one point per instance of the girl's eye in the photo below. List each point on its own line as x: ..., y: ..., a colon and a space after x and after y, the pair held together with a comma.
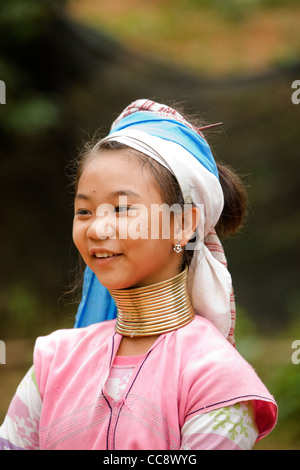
x: 82, y: 212
x: 122, y: 208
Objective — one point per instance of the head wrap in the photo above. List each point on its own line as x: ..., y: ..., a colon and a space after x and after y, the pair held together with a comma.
x: 164, y: 135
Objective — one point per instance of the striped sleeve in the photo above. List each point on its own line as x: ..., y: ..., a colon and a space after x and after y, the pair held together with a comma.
x: 20, y: 429
x: 229, y: 428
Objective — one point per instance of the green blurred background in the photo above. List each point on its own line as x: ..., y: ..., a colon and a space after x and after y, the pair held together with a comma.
x: 70, y: 67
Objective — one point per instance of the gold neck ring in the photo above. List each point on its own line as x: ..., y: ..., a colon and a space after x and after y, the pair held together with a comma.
x: 155, y: 309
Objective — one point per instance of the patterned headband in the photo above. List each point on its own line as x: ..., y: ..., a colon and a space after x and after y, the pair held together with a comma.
x: 166, y: 123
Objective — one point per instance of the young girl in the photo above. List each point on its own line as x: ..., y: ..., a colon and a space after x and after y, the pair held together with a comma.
x: 165, y: 373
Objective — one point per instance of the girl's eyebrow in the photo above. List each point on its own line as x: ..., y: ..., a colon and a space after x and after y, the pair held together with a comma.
x: 81, y: 196
x: 121, y: 192
x: 124, y: 192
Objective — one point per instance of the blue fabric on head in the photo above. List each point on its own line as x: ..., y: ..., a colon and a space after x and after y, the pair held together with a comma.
x: 170, y: 129
x: 97, y: 304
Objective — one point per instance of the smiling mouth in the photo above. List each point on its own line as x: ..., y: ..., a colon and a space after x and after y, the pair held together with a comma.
x: 105, y: 254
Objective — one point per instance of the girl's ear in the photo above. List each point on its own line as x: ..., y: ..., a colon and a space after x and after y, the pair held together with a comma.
x: 186, y: 225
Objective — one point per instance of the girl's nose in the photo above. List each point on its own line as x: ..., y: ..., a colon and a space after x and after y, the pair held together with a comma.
x: 103, y: 226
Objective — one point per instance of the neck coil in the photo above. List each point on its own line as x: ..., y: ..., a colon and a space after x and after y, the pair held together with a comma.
x: 154, y: 309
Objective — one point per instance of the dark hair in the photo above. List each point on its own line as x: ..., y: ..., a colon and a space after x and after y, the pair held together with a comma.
x: 235, y: 202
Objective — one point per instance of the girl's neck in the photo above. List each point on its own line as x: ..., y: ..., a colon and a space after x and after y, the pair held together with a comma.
x: 144, y: 313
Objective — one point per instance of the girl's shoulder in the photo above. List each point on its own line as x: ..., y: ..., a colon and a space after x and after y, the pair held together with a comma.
x: 201, y: 333
x: 203, y: 347
x: 64, y: 341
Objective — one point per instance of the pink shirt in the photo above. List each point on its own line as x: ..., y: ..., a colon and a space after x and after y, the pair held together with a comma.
x: 186, y: 372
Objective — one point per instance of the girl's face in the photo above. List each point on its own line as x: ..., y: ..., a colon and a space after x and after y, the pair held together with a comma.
x: 118, y: 236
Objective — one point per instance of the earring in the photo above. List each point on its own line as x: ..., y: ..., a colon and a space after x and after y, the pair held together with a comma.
x: 178, y: 247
